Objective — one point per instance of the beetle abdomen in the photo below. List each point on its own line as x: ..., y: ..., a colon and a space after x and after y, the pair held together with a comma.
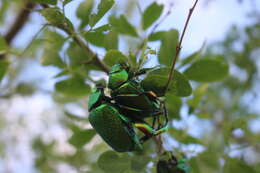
x: 107, y: 121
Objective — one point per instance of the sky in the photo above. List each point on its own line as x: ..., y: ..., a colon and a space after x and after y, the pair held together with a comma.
x: 208, y: 23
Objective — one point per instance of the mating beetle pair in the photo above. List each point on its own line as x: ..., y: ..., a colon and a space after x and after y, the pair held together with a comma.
x: 114, y: 117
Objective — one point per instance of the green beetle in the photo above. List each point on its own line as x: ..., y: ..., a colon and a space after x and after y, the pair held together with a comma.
x: 114, y: 118
x: 115, y: 128
x: 129, y: 95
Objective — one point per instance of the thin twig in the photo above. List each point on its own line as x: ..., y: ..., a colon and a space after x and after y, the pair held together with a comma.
x: 153, y: 30
x: 178, y: 47
x: 32, y: 40
x: 94, y: 57
x: 162, y: 20
x: 19, y: 22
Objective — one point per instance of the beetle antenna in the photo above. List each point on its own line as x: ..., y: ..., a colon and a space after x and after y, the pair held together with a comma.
x: 178, y: 47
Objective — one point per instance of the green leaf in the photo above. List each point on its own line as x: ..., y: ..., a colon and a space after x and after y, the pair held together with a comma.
x: 81, y: 137
x: 95, y: 38
x: 191, y: 58
x: 25, y: 89
x: 65, y: 2
x: 103, y: 7
x: 114, y: 57
x: 51, y: 2
x: 168, y: 47
x: 111, y: 40
x: 77, y: 55
x: 102, y: 28
x: 75, y: 117
x: 139, y: 162
x: 110, y: 161
x: 237, y: 166
x: 74, y: 87
x: 3, y: 8
x: 151, y: 14
x: 157, y: 36
x: 3, y: 68
x: 3, y: 45
x: 84, y: 11
x: 122, y: 26
x: 52, y: 47
x: 197, y: 95
x: 174, y: 106
x: 62, y: 73
x: 207, y: 70
x: 208, y: 161
x: 156, y: 81
x: 56, y: 18
x: 183, y: 137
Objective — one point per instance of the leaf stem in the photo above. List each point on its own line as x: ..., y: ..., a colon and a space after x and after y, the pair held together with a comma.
x: 179, y: 46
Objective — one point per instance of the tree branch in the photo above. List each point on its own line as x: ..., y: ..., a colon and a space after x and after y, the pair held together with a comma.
x: 178, y: 47
x: 18, y: 24
x: 94, y: 59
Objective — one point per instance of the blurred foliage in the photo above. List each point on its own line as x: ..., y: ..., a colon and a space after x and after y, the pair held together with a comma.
x: 202, y: 87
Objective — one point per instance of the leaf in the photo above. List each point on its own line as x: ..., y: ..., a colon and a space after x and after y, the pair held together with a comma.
x: 102, y: 28
x: 237, y: 166
x: 111, y: 40
x: 174, y: 106
x: 84, y: 11
x: 52, y: 46
x: 62, y: 73
x: 74, y: 117
x: 191, y: 58
x: 168, y: 47
x: 157, y: 36
x: 110, y: 161
x: 95, y: 38
x: 197, y: 95
x: 156, y: 81
x: 122, y: 26
x: 103, y: 7
x: 3, y: 45
x: 183, y: 137
x: 77, y: 55
x: 51, y: 2
x: 151, y: 14
x: 3, y: 68
x: 81, y: 137
x: 57, y: 18
x: 114, y: 57
x: 139, y: 162
x: 74, y: 87
x: 65, y: 2
x: 25, y: 89
x: 206, y: 161
x: 3, y: 8
x: 207, y: 70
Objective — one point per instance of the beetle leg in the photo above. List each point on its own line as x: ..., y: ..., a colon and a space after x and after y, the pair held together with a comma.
x: 165, y: 114
x: 154, y: 119
x: 149, y: 131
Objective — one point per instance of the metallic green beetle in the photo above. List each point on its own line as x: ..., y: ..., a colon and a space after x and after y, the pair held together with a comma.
x: 114, y: 120
x: 115, y: 128
x: 131, y: 97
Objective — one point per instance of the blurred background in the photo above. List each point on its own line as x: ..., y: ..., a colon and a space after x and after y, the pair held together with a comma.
x: 40, y: 129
